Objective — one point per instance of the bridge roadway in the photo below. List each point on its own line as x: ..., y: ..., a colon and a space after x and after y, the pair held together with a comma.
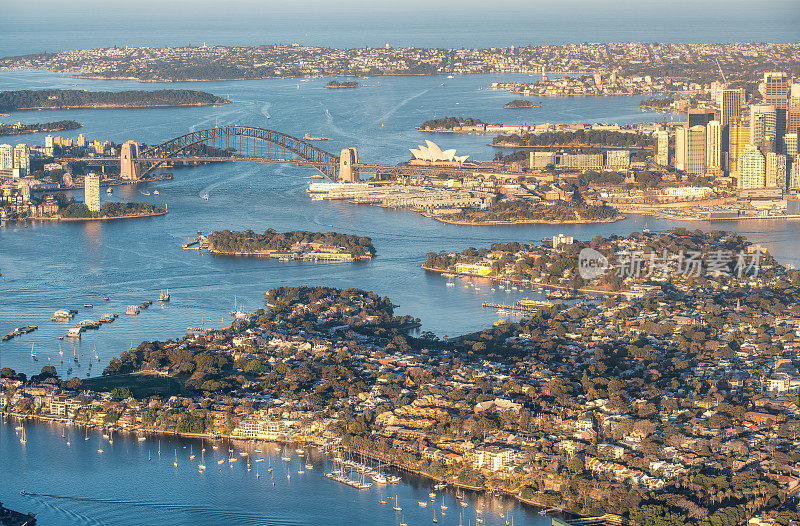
x: 397, y: 169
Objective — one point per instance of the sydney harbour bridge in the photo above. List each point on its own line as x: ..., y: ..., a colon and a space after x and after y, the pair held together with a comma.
x: 234, y: 143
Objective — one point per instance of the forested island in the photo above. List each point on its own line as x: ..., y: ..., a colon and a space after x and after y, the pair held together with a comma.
x: 519, y: 212
x: 297, y: 244
x: 579, y: 138
x: 656, y: 103
x: 449, y: 123
x: 517, y: 104
x: 77, y: 211
x: 44, y: 127
x: 58, y: 99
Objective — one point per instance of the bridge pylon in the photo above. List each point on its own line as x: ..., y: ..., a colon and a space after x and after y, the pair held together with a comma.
x: 128, y: 167
x: 347, y: 159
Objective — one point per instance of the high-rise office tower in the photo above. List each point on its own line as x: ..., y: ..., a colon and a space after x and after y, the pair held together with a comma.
x: 793, y: 113
x: 662, y: 148
x: 763, y: 127
x: 794, y: 175
x: 714, y: 146
x: 700, y: 117
x: 22, y: 159
x: 731, y: 105
x: 91, y: 192
x: 6, y: 157
x: 775, y: 170
x: 81, y: 142
x: 738, y: 137
x: 776, y: 89
x: 696, y: 150
x: 48, y: 145
x: 681, y: 145
x: 790, y: 144
x: 752, y: 168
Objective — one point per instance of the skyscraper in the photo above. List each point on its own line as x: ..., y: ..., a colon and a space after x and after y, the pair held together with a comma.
x: 48, y: 145
x: 793, y: 114
x: 763, y: 127
x: 91, y: 192
x: 681, y: 144
x: 752, y: 169
x: 738, y: 137
x: 714, y: 146
x: 22, y: 159
x: 776, y: 89
x: 700, y: 116
x: 662, y: 148
x: 6, y: 157
x: 775, y: 170
x: 731, y: 105
x: 790, y: 144
x: 696, y: 150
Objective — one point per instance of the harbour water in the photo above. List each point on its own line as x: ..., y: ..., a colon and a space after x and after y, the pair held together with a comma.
x: 52, y: 266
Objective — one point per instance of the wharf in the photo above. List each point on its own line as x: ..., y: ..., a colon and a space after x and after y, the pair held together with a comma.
x: 509, y: 308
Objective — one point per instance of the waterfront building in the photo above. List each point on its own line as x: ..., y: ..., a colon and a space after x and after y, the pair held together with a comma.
x: 763, y: 122
x: 681, y: 140
x: 48, y: 145
x: 561, y: 239
x: 662, y: 148
x: 790, y: 144
x: 794, y: 175
x: 475, y: 269
x: 582, y: 161
x: 541, y: 160
x: 22, y: 159
x: 776, y: 89
x: 752, y: 169
x: 260, y: 425
x: 714, y: 146
x: 432, y: 154
x: 696, y: 150
x: 618, y: 159
x: 698, y: 116
x: 738, y: 138
x: 91, y: 192
x: 731, y: 104
x: 775, y: 170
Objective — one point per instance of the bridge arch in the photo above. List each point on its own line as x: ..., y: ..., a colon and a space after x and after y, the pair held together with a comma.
x: 253, y: 144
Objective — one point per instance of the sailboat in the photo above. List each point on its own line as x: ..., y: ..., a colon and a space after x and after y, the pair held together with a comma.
x: 87, y: 433
x: 434, y: 515
x: 149, y: 457
x: 396, y: 506
x: 33, y: 353
x: 175, y: 463
x: 202, y: 464
x: 191, y: 453
x: 22, y: 439
x: 159, y: 448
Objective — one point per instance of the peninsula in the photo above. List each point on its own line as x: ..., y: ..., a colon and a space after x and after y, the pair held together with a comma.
x: 294, y: 245
x: 517, y: 212
x: 78, y: 211
x: 44, y: 127
x: 57, y: 99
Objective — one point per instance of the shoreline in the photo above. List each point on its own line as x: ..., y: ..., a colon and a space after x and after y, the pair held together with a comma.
x: 271, y: 255
x: 307, y: 440
x: 524, y: 282
x: 59, y: 219
x: 614, y: 219
x: 117, y: 107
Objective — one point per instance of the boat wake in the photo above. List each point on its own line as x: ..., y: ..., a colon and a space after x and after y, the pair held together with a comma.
x: 107, y: 515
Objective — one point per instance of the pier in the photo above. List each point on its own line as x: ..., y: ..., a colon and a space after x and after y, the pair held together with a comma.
x: 510, y: 308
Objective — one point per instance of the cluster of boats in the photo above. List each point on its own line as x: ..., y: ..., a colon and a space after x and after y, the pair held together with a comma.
x: 19, y: 331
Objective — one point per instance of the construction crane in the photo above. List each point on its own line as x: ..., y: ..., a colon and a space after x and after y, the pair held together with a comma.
x: 720, y: 72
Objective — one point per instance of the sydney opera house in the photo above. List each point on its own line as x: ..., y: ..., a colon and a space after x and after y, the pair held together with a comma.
x: 431, y: 154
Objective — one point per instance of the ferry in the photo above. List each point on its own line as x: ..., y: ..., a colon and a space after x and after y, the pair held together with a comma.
x: 109, y: 191
x: 88, y: 306
x: 164, y: 296
x: 133, y: 310
x: 75, y: 333
x: 155, y: 192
